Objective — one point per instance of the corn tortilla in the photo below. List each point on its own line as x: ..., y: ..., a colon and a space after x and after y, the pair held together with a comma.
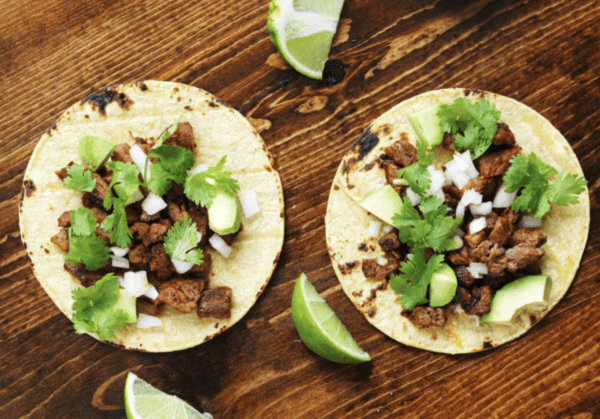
x: 348, y: 243
x: 144, y: 109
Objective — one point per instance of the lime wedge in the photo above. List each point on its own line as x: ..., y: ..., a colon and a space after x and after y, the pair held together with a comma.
x: 302, y: 31
x: 142, y: 401
x: 320, y: 329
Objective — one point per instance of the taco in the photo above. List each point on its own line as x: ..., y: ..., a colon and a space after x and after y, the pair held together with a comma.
x: 467, y: 223
x: 195, y: 291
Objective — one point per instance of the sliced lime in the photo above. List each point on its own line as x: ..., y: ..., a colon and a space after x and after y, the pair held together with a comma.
x: 142, y: 401
x: 320, y: 329
x: 302, y: 31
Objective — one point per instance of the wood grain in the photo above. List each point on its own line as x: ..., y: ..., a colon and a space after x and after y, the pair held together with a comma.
x: 543, y: 53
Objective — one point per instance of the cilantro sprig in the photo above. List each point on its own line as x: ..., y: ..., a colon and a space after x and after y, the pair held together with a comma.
x: 79, y: 178
x: 417, y: 276
x: 172, y: 164
x: 92, y: 308
x: 533, y: 175
x: 203, y: 187
x: 477, y: 122
x: 84, y: 245
x: 181, y: 242
x: 435, y: 230
x: 417, y: 175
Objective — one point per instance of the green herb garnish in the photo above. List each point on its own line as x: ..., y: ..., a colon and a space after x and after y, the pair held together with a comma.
x: 477, y: 122
x: 181, y: 242
x: 417, y: 175
x: 92, y: 308
x: 79, y: 178
x: 533, y: 175
x: 84, y: 245
x: 172, y: 164
x: 202, y: 187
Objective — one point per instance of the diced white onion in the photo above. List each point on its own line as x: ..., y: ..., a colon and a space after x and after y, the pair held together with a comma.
x: 503, y: 199
x: 151, y: 292
x: 477, y: 269
x: 469, y: 197
x: 440, y: 194
x: 414, y: 198
x: 119, y: 251
x: 181, y: 266
x: 153, y: 204
x: 477, y: 225
x: 374, y: 229
x: 459, y: 242
x: 388, y: 229
x: 461, y: 164
x: 139, y: 158
x: 121, y: 281
x: 379, y: 185
x: 198, y: 169
x: 199, y: 235
x: 458, y: 177
x: 120, y: 262
x: 530, y: 222
x: 135, y: 283
x: 460, y: 233
x: 249, y: 203
x: 219, y: 245
x: 459, y: 309
x: 381, y: 261
x: 477, y: 321
x: 466, y: 164
x: 481, y: 209
x: 437, y: 180
x: 145, y: 321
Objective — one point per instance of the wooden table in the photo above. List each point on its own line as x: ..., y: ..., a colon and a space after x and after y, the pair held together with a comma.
x: 543, y: 53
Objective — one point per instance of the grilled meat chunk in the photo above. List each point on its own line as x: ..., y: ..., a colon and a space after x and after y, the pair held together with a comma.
x: 215, y: 302
x: 181, y: 294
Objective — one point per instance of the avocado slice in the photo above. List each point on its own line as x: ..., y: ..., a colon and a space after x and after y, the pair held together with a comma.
x: 442, y: 287
x: 523, y: 292
x: 94, y: 151
x: 224, y: 214
x: 427, y: 125
x: 383, y: 203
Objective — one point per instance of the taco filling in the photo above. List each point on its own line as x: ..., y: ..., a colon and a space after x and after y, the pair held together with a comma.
x: 151, y: 232
x: 464, y: 231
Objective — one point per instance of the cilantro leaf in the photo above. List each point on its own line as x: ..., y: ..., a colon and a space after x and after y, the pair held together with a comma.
x: 116, y: 223
x: 477, y: 122
x: 417, y: 175
x: 79, y: 178
x: 533, y: 175
x: 172, y: 164
x: 417, y: 276
x: 89, y: 250
x: 125, y: 182
x: 181, y: 242
x: 92, y: 308
x: 83, y: 222
x: 202, y: 187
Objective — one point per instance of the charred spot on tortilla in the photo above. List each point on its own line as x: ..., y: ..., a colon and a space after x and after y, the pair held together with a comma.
x: 102, y: 98
x: 212, y: 104
x: 357, y: 293
x: 52, y: 128
x: 336, y: 187
x: 487, y: 345
x: 372, y: 312
x: 369, y: 166
x: 46, y: 250
x: 188, y: 108
x: 479, y: 93
x: 533, y: 319
x: 365, y: 143
x: 216, y: 325
x: 28, y: 187
x: 363, y: 247
x: 227, y: 105
x: 143, y: 87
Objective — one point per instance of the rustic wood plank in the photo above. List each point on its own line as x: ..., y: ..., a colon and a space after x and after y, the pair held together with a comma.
x: 541, y: 52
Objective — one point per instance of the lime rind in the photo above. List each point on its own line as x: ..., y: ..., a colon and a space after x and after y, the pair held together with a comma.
x: 319, y: 327
x: 302, y: 31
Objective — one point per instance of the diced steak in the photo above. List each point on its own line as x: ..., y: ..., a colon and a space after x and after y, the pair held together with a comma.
x: 202, y: 270
x: 481, y: 301
x: 101, y: 189
x: 484, y: 186
x: 389, y: 241
x: 160, y: 262
x: 149, y: 307
x: 181, y: 294
x: 504, y: 136
x: 502, y: 230
x: 522, y: 255
x: 182, y: 137
x: 428, y: 316
x: 495, y: 164
x: 473, y: 240
x: 64, y: 220
x: 176, y: 212
x: 215, y: 302
x: 87, y: 278
x: 121, y: 153
x: 533, y: 238
x: 61, y: 240
x: 62, y: 173
x: 402, y: 152
x: 140, y: 254
x: 464, y: 277
x: 460, y: 256
x: 373, y: 270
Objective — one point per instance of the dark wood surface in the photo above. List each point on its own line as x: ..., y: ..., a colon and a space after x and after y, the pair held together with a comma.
x: 544, y: 53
